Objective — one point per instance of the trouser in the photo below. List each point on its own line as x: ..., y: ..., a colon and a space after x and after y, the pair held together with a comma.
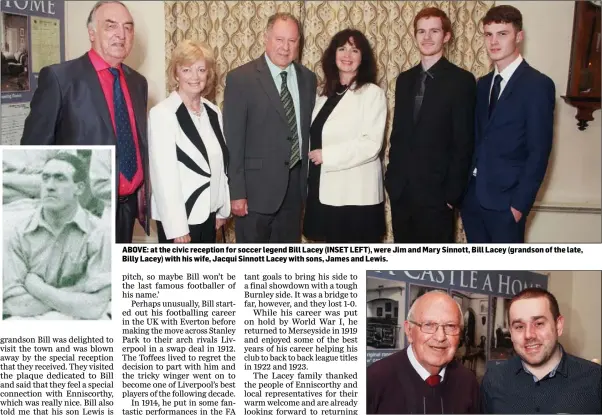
x: 282, y: 226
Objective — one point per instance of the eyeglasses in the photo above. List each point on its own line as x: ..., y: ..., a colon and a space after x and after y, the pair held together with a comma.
x: 431, y: 328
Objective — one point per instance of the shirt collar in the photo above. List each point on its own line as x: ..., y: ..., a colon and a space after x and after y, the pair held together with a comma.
x: 509, y: 70
x: 99, y: 63
x: 80, y: 219
x: 434, y: 69
x: 419, y: 368
x: 276, y: 70
x: 561, y: 367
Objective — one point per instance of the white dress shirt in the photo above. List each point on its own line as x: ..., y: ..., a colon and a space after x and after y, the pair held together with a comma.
x: 506, y: 75
x: 424, y: 374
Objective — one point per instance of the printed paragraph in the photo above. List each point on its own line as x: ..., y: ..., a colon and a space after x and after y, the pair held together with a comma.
x: 300, y: 330
x: 178, y: 343
x: 51, y: 375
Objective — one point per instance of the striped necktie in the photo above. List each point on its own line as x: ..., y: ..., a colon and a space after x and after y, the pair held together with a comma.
x: 289, y: 111
x: 126, y: 149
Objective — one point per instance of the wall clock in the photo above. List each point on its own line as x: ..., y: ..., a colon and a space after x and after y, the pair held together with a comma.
x: 583, y: 89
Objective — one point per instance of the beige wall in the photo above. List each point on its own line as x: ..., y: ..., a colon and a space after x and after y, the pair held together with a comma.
x: 148, y: 53
x: 579, y: 294
x: 574, y: 174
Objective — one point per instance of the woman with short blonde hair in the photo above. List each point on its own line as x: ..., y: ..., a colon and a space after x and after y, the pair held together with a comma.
x: 186, y: 52
x: 188, y: 155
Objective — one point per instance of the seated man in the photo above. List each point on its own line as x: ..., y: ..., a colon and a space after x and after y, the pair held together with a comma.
x: 57, y: 261
x: 424, y: 378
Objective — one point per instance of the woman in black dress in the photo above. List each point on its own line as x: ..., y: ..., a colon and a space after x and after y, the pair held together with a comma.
x: 345, y: 200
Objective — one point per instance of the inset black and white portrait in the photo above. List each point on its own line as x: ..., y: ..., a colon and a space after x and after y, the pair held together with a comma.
x: 57, y: 231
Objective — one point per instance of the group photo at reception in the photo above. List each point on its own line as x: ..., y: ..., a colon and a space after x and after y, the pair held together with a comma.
x: 320, y: 121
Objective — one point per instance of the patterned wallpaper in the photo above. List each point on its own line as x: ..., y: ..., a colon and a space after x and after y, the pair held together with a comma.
x: 234, y: 29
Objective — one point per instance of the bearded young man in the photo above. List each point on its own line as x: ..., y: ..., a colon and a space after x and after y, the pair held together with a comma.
x: 542, y: 377
x: 424, y: 378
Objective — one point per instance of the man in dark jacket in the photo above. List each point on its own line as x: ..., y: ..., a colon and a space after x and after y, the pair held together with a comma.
x: 432, y: 138
x: 425, y: 378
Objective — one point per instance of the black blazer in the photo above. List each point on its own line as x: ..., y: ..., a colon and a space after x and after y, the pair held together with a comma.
x: 69, y: 108
x: 429, y: 160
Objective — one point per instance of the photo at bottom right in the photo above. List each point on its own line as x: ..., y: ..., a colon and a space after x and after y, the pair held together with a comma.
x: 441, y: 341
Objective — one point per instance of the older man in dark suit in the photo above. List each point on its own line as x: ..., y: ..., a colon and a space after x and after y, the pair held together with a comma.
x: 267, y: 113
x: 97, y: 100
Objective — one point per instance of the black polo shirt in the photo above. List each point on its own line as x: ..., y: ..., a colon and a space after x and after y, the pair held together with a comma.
x: 575, y: 386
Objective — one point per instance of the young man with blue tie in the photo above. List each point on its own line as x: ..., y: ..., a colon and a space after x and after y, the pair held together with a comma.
x: 513, y: 136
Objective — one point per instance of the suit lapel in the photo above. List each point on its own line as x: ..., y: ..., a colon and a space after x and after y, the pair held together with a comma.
x: 190, y: 130
x: 214, y: 121
x: 411, y: 98
x: 509, y: 88
x: 98, y: 98
x: 430, y: 91
x: 137, y: 99
x: 483, y: 101
x: 267, y: 83
x: 304, y: 99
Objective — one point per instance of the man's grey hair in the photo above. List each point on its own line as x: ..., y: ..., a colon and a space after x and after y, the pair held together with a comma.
x: 412, y: 310
x: 283, y: 16
x: 91, y: 22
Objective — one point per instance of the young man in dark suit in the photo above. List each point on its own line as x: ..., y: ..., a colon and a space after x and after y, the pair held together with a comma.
x: 97, y: 100
x: 432, y: 138
x: 514, y: 129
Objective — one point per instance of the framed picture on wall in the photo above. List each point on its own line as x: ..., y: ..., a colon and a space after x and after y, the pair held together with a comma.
x: 22, y: 32
x: 483, y: 308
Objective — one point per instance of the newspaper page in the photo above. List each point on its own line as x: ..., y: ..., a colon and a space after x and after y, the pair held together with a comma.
x: 258, y: 329
x: 90, y: 327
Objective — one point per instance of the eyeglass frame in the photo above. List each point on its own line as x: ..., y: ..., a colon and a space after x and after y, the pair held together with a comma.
x: 437, y: 328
